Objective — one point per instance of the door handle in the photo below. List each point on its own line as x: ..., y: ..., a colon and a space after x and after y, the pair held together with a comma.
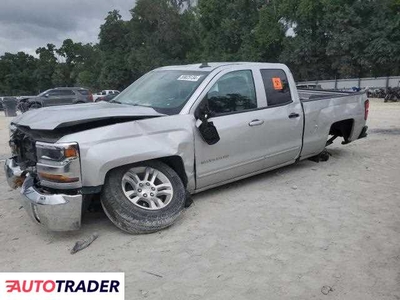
x: 293, y: 115
x: 256, y: 123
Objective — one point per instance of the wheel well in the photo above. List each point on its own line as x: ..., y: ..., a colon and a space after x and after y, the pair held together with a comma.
x: 342, y: 128
x: 34, y: 103
x: 176, y: 163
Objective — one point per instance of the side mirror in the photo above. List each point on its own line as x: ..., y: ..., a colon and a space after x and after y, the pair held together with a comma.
x: 47, y: 95
x: 207, y: 130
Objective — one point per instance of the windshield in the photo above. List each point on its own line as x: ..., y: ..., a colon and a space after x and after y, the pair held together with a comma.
x: 44, y: 93
x: 167, y: 91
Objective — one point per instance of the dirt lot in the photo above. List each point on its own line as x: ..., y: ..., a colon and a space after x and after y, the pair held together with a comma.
x: 281, y: 235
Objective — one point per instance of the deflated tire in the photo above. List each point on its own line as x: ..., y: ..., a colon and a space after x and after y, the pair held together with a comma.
x: 144, y: 197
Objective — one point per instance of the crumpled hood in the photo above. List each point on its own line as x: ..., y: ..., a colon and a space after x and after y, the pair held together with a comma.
x: 50, y: 118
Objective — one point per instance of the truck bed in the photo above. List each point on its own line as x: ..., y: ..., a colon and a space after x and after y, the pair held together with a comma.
x: 322, y: 109
x: 313, y: 95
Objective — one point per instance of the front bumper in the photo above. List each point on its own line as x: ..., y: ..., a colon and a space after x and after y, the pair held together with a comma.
x: 55, y: 212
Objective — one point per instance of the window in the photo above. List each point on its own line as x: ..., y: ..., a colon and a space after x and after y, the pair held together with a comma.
x: 53, y: 93
x: 65, y: 92
x: 276, y: 87
x: 233, y: 92
x: 84, y: 92
x: 167, y: 91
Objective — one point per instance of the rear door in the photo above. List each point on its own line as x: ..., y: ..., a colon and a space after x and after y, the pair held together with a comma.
x: 67, y: 97
x: 284, y: 118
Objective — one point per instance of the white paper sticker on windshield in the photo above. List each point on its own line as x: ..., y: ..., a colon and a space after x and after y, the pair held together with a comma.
x: 189, y: 77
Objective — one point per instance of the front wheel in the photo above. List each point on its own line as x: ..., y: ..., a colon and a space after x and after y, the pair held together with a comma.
x: 35, y: 105
x: 144, y: 197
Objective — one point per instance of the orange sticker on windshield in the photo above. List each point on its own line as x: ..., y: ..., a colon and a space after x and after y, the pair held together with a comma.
x: 277, y: 82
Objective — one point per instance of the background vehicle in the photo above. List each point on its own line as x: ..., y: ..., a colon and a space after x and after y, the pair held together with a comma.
x: 57, y: 96
x: 176, y: 130
x: 392, y: 94
x: 107, y: 98
x: 105, y: 93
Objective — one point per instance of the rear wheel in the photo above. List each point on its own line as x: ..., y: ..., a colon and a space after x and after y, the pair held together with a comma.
x: 144, y: 197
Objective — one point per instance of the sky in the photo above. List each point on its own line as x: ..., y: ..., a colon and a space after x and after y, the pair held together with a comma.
x: 26, y: 25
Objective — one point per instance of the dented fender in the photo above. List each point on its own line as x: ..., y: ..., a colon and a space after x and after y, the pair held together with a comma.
x: 105, y: 148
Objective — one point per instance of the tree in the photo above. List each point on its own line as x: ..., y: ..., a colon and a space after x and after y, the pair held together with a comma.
x: 46, y: 65
x: 113, y: 45
x: 160, y: 34
x: 306, y: 53
x: 16, y: 74
x: 268, y: 35
x: 331, y: 38
x: 226, y: 27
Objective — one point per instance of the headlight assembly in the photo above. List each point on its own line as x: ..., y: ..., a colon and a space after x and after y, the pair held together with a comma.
x: 58, y: 165
x: 56, y: 152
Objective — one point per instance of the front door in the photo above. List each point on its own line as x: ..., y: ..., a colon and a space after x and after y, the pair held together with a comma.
x: 235, y: 113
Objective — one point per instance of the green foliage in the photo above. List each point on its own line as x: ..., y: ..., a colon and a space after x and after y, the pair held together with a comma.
x: 331, y: 38
x: 16, y: 73
x: 160, y: 34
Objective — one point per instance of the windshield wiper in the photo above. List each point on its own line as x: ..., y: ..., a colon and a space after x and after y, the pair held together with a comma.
x: 131, y: 104
x: 115, y: 101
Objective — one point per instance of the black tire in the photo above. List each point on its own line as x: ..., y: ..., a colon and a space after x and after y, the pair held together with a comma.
x: 133, y: 219
x: 35, y: 105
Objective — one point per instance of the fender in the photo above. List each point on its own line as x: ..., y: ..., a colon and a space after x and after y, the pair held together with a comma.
x: 105, y: 148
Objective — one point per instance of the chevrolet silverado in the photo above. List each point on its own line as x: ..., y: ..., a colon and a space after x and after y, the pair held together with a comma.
x: 176, y: 131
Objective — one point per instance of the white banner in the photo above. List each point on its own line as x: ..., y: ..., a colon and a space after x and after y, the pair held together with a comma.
x: 62, y: 286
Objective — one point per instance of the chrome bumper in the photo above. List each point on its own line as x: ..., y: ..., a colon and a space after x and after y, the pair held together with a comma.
x: 55, y: 212
x: 14, y: 174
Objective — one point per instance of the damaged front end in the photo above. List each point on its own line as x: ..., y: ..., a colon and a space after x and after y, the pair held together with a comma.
x: 23, y: 157
x: 42, y: 170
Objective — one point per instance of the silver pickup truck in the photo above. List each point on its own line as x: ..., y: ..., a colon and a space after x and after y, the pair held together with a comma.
x: 176, y: 131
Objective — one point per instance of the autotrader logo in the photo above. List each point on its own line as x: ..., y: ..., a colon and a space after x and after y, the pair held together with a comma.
x: 99, y: 286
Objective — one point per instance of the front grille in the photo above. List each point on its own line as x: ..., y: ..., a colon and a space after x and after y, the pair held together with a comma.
x: 24, y: 149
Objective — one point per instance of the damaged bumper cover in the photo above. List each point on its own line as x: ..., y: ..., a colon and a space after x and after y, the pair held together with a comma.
x: 55, y: 212
x: 14, y: 174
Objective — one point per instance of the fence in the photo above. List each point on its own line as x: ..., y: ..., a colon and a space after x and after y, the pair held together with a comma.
x: 343, y: 84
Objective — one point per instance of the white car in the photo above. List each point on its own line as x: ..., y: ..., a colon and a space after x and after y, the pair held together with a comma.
x: 104, y: 93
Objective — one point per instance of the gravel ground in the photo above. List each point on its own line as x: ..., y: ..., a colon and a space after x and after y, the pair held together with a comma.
x: 296, y: 233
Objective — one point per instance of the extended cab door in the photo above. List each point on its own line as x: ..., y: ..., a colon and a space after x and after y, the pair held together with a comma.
x: 283, y: 133
x: 254, y: 135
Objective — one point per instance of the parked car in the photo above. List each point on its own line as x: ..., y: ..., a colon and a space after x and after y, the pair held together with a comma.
x: 56, y: 96
x: 107, y: 98
x: 105, y: 93
x: 175, y: 131
x: 392, y: 94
